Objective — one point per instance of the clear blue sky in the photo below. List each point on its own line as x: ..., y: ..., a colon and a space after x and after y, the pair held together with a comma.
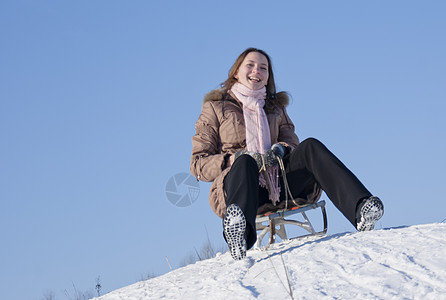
x: 98, y: 101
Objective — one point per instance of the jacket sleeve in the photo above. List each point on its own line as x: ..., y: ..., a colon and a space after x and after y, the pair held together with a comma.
x: 287, y: 135
x: 207, y: 161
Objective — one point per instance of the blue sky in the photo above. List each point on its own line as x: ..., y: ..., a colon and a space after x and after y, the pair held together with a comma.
x: 98, y: 101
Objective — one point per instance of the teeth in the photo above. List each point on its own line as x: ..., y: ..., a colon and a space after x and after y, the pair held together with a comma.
x: 254, y: 78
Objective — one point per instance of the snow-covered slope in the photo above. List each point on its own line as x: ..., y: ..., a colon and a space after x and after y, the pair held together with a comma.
x: 395, y: 263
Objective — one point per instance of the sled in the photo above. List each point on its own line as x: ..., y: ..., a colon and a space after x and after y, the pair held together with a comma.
x: 268, y: 223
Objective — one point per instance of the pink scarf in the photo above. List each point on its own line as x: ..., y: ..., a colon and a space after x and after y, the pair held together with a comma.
x: 258, y: 137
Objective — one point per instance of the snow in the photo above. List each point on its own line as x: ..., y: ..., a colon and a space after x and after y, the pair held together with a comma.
x: 393, y: 263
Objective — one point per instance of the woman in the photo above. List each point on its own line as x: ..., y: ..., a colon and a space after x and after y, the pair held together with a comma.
x: 241, y: 135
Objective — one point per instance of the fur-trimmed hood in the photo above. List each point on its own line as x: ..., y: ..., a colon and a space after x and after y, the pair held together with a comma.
x: 280, y: 99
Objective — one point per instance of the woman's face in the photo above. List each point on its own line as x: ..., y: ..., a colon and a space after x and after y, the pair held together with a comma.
x: 253, y: 72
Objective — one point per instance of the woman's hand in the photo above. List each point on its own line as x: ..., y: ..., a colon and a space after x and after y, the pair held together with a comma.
x: 257, y: 157
x: 278, y: 150
x: 270, y: 157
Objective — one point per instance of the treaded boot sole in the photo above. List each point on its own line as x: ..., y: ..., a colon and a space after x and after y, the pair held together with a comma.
x: 234, y: 226
x: 371, y: 212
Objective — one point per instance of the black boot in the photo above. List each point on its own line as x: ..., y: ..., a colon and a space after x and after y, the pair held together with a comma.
x: 368, y: 212
x: 234, y: 227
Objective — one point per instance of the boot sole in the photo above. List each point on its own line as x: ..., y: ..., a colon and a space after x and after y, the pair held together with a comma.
x: 234, y: 226
x: 371, y: 212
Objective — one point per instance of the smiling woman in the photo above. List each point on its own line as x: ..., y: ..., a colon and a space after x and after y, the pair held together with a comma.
x: 253, y: 72
x: 242, y: 134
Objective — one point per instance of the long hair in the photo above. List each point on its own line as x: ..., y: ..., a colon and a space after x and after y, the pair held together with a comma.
x: 271, y: 95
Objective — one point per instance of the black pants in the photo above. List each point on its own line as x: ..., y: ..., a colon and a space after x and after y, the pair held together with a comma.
x: 311, y: 162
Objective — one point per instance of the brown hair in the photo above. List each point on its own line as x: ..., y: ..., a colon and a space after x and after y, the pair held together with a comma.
x: 271, y: 99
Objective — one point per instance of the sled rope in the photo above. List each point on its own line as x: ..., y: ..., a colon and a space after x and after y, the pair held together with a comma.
x: 263, y: 168
x: 285, y: 182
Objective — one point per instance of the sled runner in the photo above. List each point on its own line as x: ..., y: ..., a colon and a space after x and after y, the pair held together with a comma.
x: 268, y: 222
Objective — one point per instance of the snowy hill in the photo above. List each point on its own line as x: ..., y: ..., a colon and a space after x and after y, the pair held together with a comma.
x: 395, y: 263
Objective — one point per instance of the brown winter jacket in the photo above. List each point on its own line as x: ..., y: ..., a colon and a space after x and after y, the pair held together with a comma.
x: 220, y: 133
